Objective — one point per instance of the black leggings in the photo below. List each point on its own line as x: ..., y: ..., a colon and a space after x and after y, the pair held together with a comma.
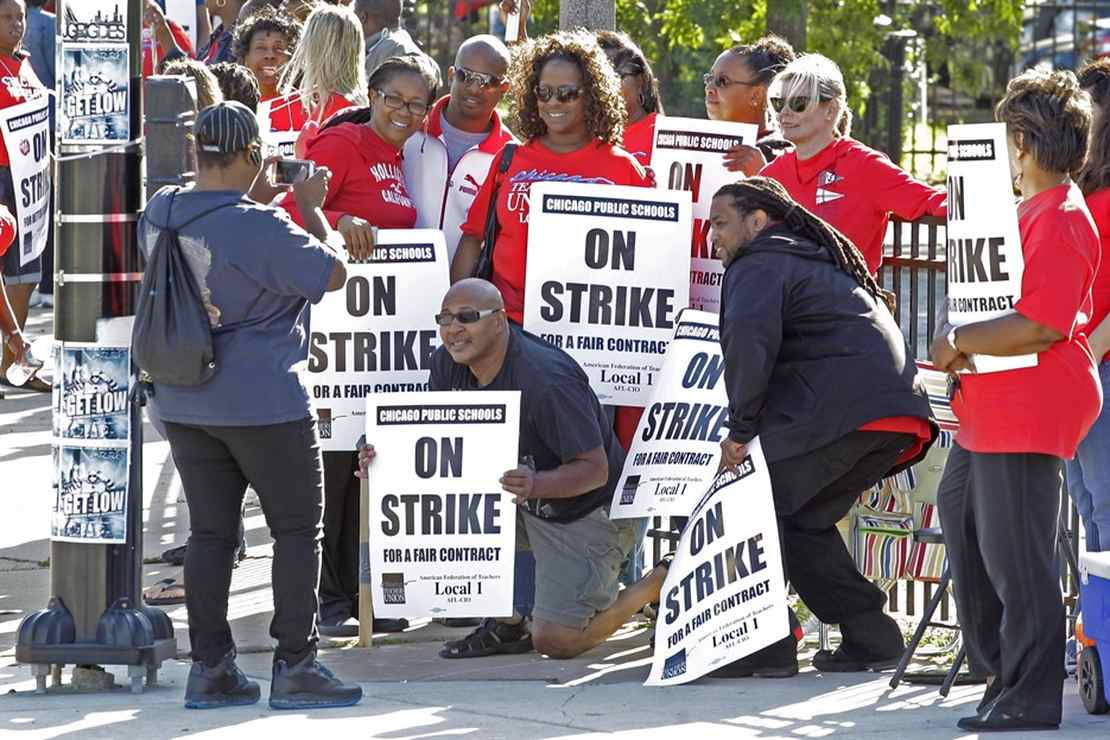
x: 282, y: 462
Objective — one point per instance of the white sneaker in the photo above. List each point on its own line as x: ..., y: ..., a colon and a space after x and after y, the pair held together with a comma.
x: 46, y: 300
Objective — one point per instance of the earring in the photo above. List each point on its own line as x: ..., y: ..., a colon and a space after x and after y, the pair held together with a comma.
x: 221, y: 3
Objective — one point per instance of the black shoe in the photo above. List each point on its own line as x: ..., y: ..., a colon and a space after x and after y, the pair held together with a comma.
x: 222, y: 685
x: 846, y: 659
x: 459, y: 621
x: 309, y: 685
x: 491, y: 638
x: 997, y: 721
x: 339, y: 628
x: 391, y: 625
x: 994, y: 688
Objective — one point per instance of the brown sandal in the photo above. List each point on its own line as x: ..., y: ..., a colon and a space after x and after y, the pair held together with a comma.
x: 166, y: 592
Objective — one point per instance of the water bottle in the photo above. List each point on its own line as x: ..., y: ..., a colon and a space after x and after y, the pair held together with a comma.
x: 20, y: 372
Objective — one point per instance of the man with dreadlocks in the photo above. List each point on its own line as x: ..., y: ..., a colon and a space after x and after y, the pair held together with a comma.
x: 816, y: 367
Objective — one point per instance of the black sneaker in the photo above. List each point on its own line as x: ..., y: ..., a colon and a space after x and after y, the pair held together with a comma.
x: 391, y: 625
x: 339, y: 628
x: 846, y: 659
x: 309, y: 685
x: 222, y: 685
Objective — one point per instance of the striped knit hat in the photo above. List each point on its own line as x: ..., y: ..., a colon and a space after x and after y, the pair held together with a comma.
x: 225, y: 128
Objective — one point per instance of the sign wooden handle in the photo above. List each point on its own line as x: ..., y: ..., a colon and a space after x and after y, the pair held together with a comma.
x: 365, y: 605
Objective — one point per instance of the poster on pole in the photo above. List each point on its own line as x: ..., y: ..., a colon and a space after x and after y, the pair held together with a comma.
x: 377, y: 335
x: 276, y: 142
x: 93, y: 385
x: 97, y: 21
x: 26, y: 131
x: 725, y: 594
x: 442, y: 531
x: 985, y: 259
x: 677, y: 446
x: 90, y: 503
x: 606, y: 278
x: 689, y: 155
x: 94, y: 107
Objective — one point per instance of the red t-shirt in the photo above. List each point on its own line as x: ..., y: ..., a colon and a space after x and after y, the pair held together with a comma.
x: 856, y: 188
x: 366, y: 178
x: 286, y: 113
x: 7, y: 229
x: 183, y: 43
x: 533, y: 162
x: 1048, y: 408
x: 312, y: 121
x: 1098, y: 203
x: 19, y: 84
x: 639, y: 138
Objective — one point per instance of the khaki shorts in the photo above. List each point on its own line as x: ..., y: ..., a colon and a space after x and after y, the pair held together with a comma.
x: 578, y: 563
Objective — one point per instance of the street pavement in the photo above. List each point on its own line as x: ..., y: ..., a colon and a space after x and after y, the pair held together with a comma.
x: 410, y: 691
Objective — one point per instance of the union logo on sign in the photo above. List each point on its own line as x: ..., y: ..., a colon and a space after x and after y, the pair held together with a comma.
x: 24, y: 147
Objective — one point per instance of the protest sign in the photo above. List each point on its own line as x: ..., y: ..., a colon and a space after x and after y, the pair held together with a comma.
x: 95, y: 94
x: 689, y: 155
x: 985, y: 259
x: 93, y: 384
x: 276, y: 142
x: 442, y: 532
x: 377, y: 335
x: 607, y: 276
x: 725, y: 593
x: 90, y: 503
x: 676, y: 449
x: 94, y: 20
x: 26, y: 131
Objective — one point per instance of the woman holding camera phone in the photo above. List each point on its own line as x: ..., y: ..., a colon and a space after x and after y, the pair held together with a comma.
x: 362, y: 149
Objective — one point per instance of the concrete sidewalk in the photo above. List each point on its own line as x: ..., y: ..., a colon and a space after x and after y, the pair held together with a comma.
x: 410, y: 691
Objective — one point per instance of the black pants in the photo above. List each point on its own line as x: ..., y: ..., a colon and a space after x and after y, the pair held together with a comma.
x: 339, y: 576
x: 282, y: 462
x: 999, y: 516
x: 812, y: 493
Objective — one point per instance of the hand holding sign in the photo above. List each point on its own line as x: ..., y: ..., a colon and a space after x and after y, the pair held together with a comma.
x: 746, y: 159
x: 732, y: 454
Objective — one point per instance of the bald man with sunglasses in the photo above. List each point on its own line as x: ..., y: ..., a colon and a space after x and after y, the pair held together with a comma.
x: 570, y: 463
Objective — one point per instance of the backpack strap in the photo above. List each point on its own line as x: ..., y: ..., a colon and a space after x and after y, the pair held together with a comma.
x: 197, y: 217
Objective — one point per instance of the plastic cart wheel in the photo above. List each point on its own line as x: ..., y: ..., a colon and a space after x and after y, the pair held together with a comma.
x: 1092, y: 687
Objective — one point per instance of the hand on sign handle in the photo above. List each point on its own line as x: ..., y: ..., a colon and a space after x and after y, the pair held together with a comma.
x: 732, y: 454
x: 366, y: 455
x: 947, y: 358
x: 359, y: 236
x: 746, y: 159
x: 521, y: 481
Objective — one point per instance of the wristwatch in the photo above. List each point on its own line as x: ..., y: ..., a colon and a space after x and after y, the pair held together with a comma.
x: 951, y: 339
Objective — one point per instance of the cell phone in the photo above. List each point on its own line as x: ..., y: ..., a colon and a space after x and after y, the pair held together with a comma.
x: 291, y: 171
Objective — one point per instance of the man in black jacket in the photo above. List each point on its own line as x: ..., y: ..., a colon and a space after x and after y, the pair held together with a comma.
x: 817, y: 368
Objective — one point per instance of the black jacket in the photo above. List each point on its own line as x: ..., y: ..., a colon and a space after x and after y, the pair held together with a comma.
x: 810, y: 356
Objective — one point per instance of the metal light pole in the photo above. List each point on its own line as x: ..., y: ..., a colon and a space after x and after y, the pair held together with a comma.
x: 96, y: 615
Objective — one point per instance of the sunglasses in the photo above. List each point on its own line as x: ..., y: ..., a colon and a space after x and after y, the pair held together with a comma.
x: 722, y: 81
x: 466, y: 316
x: 467, y: 76
x: 396, y: 102
x: 563, y: 93
x: 798, y: 103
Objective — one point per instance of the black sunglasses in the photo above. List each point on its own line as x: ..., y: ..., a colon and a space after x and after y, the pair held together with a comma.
x: 466, y: 316
x: 798, y: 103
x: 722, y: 81
x: 466, y: 76
x: 563, y: 93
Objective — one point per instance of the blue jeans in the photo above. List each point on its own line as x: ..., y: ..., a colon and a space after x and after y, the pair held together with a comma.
x: 1089, y: 475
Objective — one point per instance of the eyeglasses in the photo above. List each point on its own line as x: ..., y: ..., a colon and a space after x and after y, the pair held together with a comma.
x: 563, y: 93
x: 798, y: 103
x: 396, y: 102
x: 722, y: 81
x: 467, y: 76
x: 466, y: 316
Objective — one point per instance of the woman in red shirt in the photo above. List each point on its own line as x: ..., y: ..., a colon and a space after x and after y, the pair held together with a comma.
x: 852, y: 186
x: 325, y: 73
x: 362, y: 149
x: 568, y: 102
x: 1089, y: 473
x: 19, y: 84
x: 999, y: 498
x: 640, y: 91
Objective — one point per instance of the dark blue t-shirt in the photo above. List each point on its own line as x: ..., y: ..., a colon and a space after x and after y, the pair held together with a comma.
x: 560, y: 416
x: 257, y: 272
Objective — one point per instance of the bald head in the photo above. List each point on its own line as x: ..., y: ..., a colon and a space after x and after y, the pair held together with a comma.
x: 486, y: 48
x: 474, y: 292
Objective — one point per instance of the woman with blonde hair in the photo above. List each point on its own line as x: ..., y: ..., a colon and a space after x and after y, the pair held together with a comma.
x: 326, y: 71
x: 852, y: 186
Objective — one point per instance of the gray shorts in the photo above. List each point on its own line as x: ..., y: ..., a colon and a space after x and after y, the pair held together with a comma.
x: 578, y: 563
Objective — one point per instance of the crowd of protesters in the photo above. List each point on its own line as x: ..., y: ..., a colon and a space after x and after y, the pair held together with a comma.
x: 814, y: 362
